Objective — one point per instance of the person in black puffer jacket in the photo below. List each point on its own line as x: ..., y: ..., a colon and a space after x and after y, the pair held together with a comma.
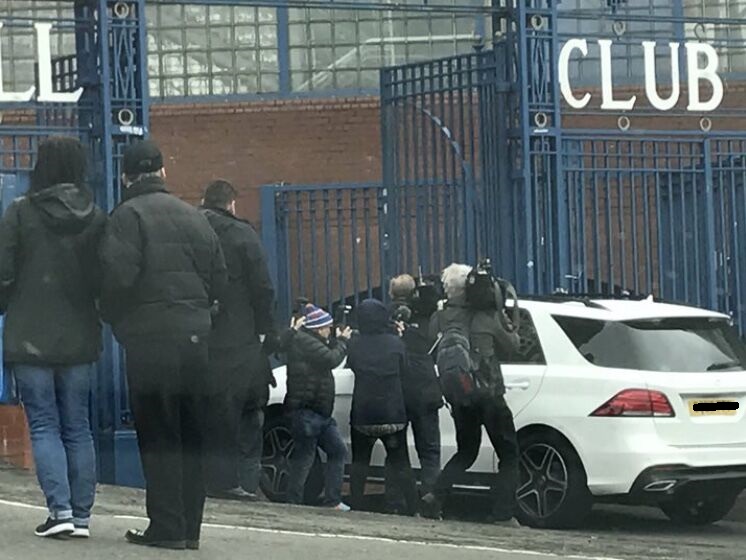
x: 49, y: 283
x: 312, y: 355
x: 163, y: 272
x: 240, y: 372
x: 378, y: 360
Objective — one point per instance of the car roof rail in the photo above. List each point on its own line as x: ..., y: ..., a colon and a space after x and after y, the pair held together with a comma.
x: 563, y: 298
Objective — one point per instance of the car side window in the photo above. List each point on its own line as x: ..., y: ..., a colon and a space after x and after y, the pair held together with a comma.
x: 529, y: 350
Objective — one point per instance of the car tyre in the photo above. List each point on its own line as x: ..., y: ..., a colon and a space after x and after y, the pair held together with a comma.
x: 698, y: 510
x: 277, y: 450
x: 553, y: 489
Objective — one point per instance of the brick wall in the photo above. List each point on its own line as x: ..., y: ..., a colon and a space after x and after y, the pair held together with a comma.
x: 15, y: 446
x: 254, y: 144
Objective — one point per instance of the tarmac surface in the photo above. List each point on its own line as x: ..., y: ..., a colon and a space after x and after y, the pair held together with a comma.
x: 280, y: 532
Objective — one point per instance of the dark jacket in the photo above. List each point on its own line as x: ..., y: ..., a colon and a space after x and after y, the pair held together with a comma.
x: 420, y: 383
x: 378, y: 359
x: 163, y: 266
x: 244, y: 311
x: 49, y: 277
x: 489, y: 337
x: 247, y: 303
x: 310, y: 381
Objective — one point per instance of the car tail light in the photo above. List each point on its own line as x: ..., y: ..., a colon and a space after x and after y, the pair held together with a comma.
x: 636, y: 403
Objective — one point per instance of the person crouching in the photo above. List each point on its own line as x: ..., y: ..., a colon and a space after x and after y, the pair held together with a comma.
x: 377, y: 358
x: 312, y: 355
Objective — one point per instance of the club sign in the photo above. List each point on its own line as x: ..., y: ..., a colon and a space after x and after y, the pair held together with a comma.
x: 697, y: 73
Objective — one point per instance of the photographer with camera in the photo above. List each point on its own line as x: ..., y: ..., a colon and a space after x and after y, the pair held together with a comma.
x: 312, y: 354
x: 474, y: 335
x: 413, y: 305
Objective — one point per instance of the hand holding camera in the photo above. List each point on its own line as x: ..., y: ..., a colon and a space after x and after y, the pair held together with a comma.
x: 344, y: 333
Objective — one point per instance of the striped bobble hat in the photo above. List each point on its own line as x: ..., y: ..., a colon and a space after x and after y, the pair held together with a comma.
x: 317, y: 318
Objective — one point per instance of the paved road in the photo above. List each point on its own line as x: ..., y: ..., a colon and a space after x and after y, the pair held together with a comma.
x: 290, y: 533
x: 226, y: 543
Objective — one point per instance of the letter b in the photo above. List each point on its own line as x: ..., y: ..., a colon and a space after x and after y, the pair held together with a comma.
x: 697, y: 74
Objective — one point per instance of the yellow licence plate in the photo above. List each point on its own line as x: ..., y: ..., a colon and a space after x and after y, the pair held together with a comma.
x: 719, y: 408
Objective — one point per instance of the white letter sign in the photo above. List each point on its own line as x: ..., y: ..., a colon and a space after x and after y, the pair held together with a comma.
x: 607, y: 87
x: 697, y: 74
x: 44, y: 55
x: 651, y: 87
x: 564, y: 73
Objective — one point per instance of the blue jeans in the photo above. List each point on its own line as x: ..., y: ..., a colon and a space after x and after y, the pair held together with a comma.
x: 311, y: 430
x: 57, y: 405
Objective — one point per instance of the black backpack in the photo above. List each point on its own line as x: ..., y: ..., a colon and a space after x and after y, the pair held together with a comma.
x: 458, y: 366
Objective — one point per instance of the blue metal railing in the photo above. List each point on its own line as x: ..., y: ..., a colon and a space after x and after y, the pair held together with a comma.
x: 325, y: 242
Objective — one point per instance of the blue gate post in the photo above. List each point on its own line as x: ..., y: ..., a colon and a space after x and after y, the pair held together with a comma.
x: 547, y: 243
x: 711, y: 263
x: 271, y: 242
x: 389, y: 226
x: 119, y: 88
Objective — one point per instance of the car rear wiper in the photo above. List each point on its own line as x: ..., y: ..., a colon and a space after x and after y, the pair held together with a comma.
x: 725, y: 365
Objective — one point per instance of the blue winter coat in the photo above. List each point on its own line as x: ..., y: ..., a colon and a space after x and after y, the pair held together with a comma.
x: 377, y: 357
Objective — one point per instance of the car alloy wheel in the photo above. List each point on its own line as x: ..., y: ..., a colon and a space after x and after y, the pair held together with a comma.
x: 278, y: 446
x: 544, y: 481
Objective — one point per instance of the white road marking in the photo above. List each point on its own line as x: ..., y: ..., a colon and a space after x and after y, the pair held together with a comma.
x: 303, y: 534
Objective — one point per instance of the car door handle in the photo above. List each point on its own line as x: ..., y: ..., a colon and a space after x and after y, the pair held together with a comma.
x: 523, y: 385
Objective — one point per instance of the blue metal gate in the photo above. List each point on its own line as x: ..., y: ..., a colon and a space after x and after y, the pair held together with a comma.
x: 482, y: 156
x: 325, y: 243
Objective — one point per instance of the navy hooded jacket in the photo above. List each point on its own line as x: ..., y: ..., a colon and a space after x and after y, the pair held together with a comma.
x: 377, y: 357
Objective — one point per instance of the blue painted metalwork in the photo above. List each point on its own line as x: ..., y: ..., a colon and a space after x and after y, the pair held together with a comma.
x: 121, y: 46
x: 425, y: 6
x: 437, y: 165
x: 324, y: 242
x: 479, y: 145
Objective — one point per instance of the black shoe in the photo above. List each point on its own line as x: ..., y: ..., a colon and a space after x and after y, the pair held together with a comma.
x: 431, y: 507
x: 55, y: 528
x: 192, y: 545
x: 141, y: 538
x: 234, y: 494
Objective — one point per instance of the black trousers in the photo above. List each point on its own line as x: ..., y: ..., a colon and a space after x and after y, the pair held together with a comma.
x: 167, y: 395
x: 497, y: 419
x: 232, y: 413
x: 399, y: 469
x: 426, y: 432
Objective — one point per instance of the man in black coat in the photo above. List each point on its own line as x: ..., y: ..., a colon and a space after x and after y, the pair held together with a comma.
x: 422, y: 392
x: 240, y: 373
x: 163, y: 270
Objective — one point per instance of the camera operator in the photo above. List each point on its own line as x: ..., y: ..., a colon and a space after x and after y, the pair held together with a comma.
x: 413, y: 306
x: 492, y: 339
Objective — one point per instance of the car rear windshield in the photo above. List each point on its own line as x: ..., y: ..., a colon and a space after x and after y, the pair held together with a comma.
x: 678, y: 345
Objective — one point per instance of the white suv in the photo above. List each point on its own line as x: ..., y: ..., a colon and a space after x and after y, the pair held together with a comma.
x: 630, y: 401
